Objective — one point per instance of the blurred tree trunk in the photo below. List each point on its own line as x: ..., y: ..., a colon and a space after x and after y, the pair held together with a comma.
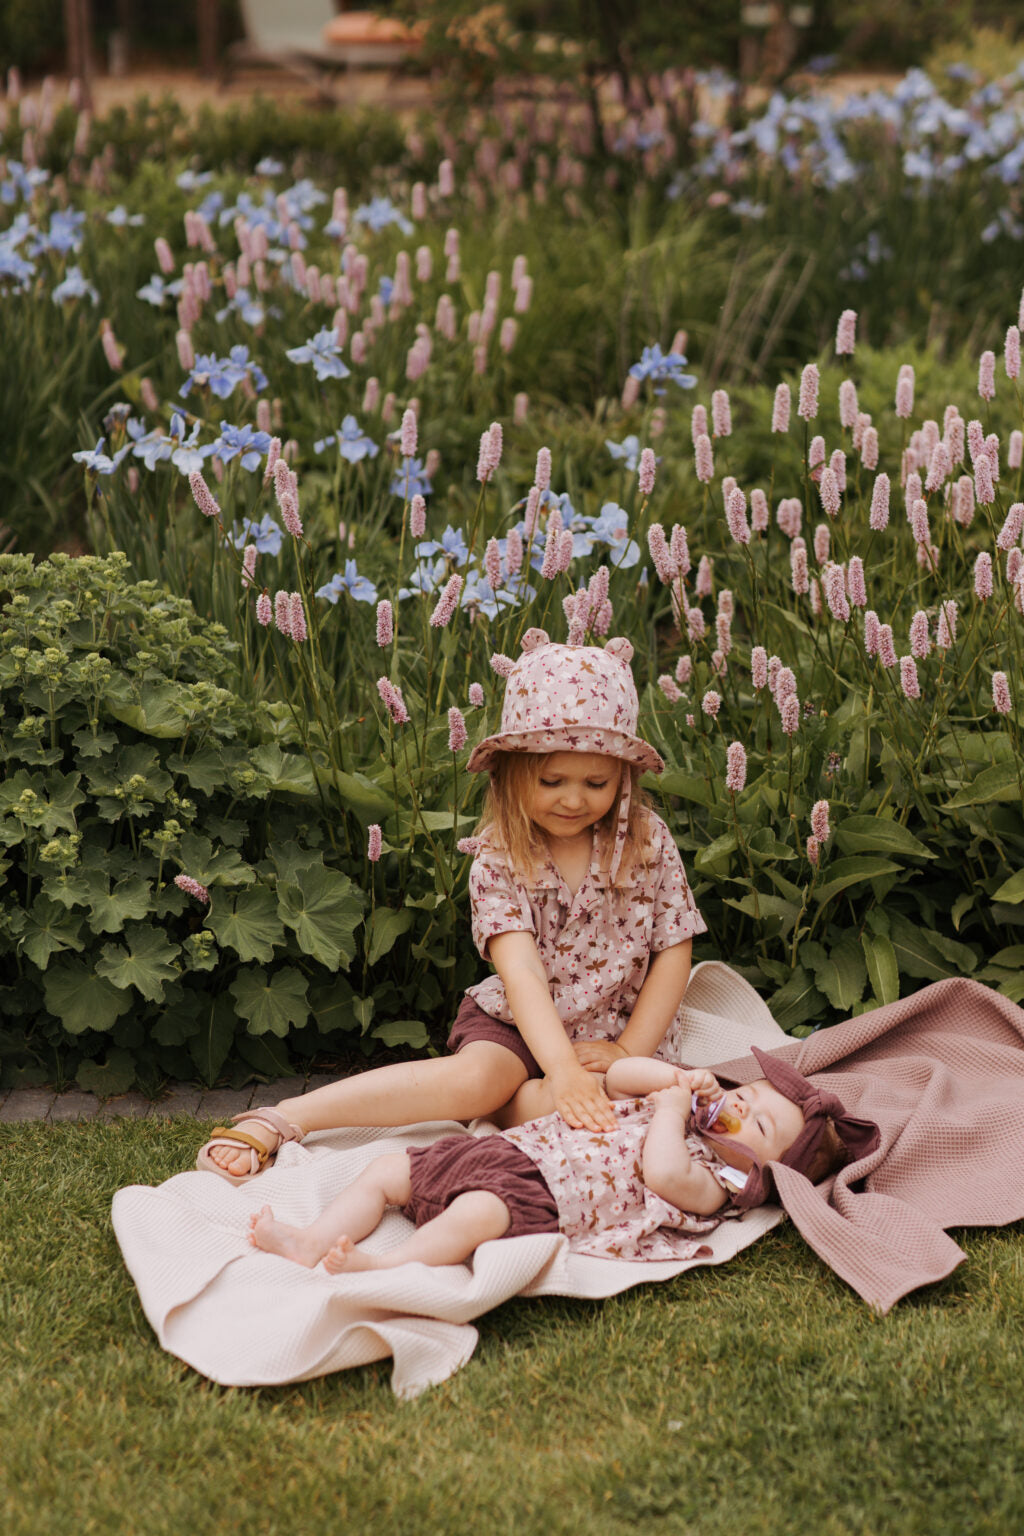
x: 77, y: 28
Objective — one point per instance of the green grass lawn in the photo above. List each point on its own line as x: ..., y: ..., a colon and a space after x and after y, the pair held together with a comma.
x: 763, y: 1397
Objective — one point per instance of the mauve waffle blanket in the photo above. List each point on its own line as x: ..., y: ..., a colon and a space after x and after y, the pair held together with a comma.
x: 942, y: 1074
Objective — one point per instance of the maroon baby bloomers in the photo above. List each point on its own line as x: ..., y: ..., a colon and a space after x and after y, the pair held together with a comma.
x: 458, y: 1165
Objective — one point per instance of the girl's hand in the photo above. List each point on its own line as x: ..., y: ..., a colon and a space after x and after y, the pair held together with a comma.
x: 598, y: 1055
x: 581, y: 1100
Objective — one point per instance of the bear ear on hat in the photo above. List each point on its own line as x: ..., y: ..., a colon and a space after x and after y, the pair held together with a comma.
x: 620, y: 648
x: 533, y: 638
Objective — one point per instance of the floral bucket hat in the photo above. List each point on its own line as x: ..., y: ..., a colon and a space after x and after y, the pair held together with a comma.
x: 569, y: 698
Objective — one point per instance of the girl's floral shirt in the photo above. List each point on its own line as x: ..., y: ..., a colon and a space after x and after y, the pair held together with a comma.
x: 595, y: 946
x: 604, y: 1207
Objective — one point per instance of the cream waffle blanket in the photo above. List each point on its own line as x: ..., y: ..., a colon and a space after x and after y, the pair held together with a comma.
x: 246, y: 1318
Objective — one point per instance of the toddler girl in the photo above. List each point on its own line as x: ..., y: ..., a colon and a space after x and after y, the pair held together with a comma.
x: 647, y: 1190
x: 579, y: 901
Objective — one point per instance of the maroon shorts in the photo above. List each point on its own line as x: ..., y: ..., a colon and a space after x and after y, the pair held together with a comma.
x: 471, y: 1023
x: 459, y: 1165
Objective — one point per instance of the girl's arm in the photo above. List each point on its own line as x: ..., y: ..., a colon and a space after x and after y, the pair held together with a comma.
x: 578, y: 1094
x: 634, y: 1077
x: 668, y: 1168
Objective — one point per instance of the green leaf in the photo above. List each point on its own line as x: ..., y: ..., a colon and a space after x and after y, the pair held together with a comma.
x: 840, y: 972
x: 158, y: 713
x: 331, y: 1006
x: 883, y: 966
x: 1000, y: 782
x: 145, y: 961
x: 961, y: 956
x: 764, y: 907
x: 843, y: 873
x: 225, y: 867
x: 765, y: 847
x: 210, y: 1043
x: 963, y: 904
x: 266, y: 1053
x: 324, y: 908
x: 110, y: 910
x: 289, y: 772
x: 81, y: 999
x: 247, y: 922
x: 876, y: 834
x: 1012, y: 890
x: 48, y: 929
x: 386, y: 925
x: 686, y: 785
x: 915, y: 954
x: 797, y: 1001
x: 403, y: 1032
x: 713, y: 858
x: 271, y: 1006
x: 116, y: 1075
x: 206, y: 770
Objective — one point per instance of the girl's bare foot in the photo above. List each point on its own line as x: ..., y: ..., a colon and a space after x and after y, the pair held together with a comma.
x: 346, y: 1258
x: 295, y: 1243
x: 237, y: 1160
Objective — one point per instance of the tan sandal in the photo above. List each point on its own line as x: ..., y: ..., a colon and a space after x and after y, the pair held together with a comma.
x: 260, y: 1156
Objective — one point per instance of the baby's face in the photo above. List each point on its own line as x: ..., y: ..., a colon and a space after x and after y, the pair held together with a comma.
x: 769, y: 1123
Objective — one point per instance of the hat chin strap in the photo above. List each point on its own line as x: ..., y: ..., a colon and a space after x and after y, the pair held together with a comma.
x: 622, y: 824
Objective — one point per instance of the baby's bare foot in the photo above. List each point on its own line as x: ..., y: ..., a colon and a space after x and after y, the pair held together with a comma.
x: 274, y: 1236
x: 346, y: 1258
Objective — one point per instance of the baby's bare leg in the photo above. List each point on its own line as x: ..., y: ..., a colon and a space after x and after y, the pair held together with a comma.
x: 356, y: 1212
x: 473, y: 1218
x: 531, y: 1101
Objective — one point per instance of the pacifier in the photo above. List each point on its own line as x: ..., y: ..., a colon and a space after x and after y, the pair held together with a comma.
x: 715, y: 1117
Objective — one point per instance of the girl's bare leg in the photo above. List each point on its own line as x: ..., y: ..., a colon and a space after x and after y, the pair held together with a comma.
x: 356, y: 1212
x: 476, y: 1081
x: 471, y: 1219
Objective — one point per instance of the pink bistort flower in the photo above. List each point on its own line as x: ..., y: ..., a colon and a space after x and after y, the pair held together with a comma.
x: 920, y: 635
x: 502, y: 665
x: 886, y: 647
x: 846, y: 333
x: 391, y: 695
x: 856, y: 586
x: 813, y: 850
x: 670, y: 688
x: 905, y: 392
x: 781, y: 408
x: 1009, y: 534
x: 417, y: 516
x: 789, y: 515
x: 908, y: 678
x: 297, y: 618
x: 983, y: 584
x: 871, y: 632
x: 657, y: 543
x: 987, y: 375
x: 759, y: 514
x: 822, y: 543
x: 799, y: 574
x: 807, y: 405
x: 736, y: 516
x: 789, y: 713
x: 698, y: 423
x: 264, y: 608
x: 984, y: 489
x: 385, y: 623
x: 679, y: 549
x: 202, y: 495
x: 646, y: 471
x: 492, y: 564
x: 684, y: 670
x: 711, y: 703
x: 447, y: 602
x: 879, y: 516
x: 283, y: 613
x: 848, y: 408
x: 721, y: 415
x: 704, y: 459
x: 828, y: 490
x: 1011, y: 353
x: 408, y: 435
x: 457, y: 733
x: 542, y: 477
x: 945, y: 632
x: 374, y: 840
x: 735, y: 767
x: 249, y: 564
x: 819, y: 821
x: 759, y: 666
x: 193, y: 888
x: 835, y: 592
x: 816, y: 453
x: 1001, y: 693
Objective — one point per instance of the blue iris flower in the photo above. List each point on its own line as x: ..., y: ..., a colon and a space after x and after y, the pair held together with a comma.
x: 353, y: 443
x: 411, y: 480
x: 268, y: 166
x: 249, y: 309
x: 451, y: 545
x: 74, y: 286
x: 350, y: 581
x: 97, y: 462
x: 156, y: 291
x: 628, y: 449
x: 222, y: 375
x: 386, y: 287
x: 661, y: 368
x: 266, y: 535
x: 379, y: 212
x: 323, y: 352
x: 244, y: 443
x: 120, y: 216
x: 611, y: 527
x: 188, y: 456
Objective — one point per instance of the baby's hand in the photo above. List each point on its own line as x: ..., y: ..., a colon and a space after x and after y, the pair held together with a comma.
x: 676, y: 1097
x: 701, y: 1082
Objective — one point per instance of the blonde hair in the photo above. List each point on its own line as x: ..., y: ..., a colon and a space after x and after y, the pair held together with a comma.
x: 512, y: 780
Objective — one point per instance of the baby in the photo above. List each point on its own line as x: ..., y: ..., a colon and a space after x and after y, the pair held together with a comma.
x: 684, y: 1154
